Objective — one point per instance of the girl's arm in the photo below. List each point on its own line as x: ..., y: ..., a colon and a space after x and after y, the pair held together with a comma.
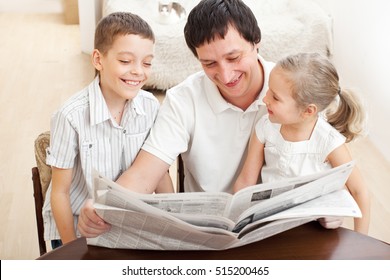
x: 252, y: 166
x: 356, y: 187
x: 60, y: 203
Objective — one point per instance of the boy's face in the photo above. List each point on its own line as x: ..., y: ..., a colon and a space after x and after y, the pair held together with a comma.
x: 232, y: 64
x: 125, y: 67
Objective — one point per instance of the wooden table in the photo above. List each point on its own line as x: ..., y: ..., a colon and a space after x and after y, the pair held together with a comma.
x: 307, y: 242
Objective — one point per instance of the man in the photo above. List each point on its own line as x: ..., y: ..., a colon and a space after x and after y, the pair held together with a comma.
x: 208, y: 118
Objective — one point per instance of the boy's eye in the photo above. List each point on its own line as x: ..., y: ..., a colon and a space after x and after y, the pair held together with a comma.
x: 147, y: 64
x: 124, y: 61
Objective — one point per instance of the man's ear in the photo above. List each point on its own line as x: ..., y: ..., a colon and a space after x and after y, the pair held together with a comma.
x: 97, y: 59
x: 310, y: 110
x: 257, y: 46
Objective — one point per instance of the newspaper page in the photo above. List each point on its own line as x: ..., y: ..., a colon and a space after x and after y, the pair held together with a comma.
x: 138, y: 223
x: 288, y: 194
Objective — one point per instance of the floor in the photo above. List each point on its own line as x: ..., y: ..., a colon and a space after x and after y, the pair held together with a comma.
x: 41, y: 67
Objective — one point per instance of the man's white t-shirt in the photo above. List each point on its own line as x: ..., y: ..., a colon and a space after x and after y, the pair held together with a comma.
x: 211, y: 134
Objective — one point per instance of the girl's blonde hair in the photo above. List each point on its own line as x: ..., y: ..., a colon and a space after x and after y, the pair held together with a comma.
x: 314, y: 80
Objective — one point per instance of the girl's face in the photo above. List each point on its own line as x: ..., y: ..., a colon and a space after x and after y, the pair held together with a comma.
x: 282, y: 107
x: 125, y: 67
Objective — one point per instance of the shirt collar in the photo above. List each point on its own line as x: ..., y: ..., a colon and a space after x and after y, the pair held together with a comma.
x: 99, y: 111
x: 136, y: 104
x: 98, y: 108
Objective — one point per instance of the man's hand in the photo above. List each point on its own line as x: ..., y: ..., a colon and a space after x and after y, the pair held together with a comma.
x: 331, y: 222
x: 90, y: 224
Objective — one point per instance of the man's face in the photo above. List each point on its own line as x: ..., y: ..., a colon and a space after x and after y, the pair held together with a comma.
x: 232, y: 64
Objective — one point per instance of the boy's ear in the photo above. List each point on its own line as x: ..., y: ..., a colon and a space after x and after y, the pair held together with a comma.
x: 97, y: 59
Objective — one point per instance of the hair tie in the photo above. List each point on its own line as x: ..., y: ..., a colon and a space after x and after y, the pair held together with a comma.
x: 339, y: 91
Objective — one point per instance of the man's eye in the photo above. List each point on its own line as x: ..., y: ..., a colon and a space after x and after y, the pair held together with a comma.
x: 233, y: 58
x: 211, y: 64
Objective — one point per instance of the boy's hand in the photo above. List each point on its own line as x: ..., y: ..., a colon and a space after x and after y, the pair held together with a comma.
x: 90, y: 224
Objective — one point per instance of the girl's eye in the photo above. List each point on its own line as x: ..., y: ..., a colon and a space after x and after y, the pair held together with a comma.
x: 124, y: 61
x: 147, y: 64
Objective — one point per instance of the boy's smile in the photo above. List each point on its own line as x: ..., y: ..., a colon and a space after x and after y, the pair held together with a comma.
x: 125, y: 67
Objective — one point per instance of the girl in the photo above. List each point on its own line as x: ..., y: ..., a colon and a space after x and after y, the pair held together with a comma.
x: 295, y: 139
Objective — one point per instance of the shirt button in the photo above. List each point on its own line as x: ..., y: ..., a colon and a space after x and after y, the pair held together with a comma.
x: 124, y: 131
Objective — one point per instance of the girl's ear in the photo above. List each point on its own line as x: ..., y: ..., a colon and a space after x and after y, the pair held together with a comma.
x: 310, y: 110
x: 97, y: 59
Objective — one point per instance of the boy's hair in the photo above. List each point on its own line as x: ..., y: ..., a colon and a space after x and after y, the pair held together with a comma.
x: 314, y: 80
x: 210, y: 19
x: 120, y: 23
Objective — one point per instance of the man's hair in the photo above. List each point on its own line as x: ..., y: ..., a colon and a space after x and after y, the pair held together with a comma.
x: 120, y: 23
x: 210, y: 19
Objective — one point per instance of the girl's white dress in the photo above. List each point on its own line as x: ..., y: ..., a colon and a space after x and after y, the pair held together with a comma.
x: 284, y: 159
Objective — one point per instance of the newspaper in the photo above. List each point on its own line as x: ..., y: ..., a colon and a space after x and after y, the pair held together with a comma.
x: 217, y: 221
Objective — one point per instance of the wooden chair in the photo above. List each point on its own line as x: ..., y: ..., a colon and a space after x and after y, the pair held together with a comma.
x: 41, y: 177
x: 180, y: 174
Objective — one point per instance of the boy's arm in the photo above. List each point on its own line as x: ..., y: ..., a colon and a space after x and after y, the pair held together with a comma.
x: 60, y: 203
x: 356, y: 187
x: 253, y: 163
x: 143, y: 176
x: 90, y: 224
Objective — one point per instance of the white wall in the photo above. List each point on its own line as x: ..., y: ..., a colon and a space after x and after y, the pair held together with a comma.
x: 362, y: 56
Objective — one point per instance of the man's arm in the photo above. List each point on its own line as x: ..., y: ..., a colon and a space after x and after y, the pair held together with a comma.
x: 144, y: 174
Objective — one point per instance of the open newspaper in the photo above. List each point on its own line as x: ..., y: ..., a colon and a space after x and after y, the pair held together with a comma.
x: 216, y: 221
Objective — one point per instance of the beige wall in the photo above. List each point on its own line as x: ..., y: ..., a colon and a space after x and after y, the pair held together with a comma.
x: 31, y: 6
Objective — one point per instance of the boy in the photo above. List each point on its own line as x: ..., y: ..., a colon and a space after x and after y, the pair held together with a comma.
x: 104, y: 125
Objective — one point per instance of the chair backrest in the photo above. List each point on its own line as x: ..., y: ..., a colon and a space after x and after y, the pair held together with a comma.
x: 180, y: 174
x: 41, y: 177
